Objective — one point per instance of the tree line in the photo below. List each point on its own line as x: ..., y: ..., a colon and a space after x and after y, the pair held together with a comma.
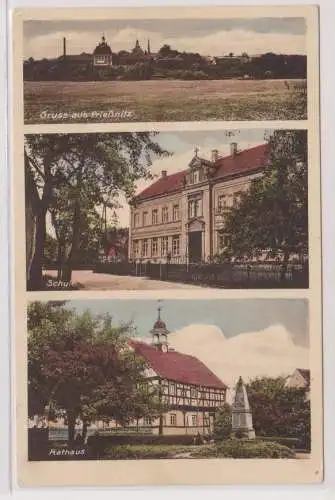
x: 168, y: 64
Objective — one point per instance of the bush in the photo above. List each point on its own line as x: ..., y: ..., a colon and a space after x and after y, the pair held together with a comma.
x: 124, y: 452
x: 99, y: 444
x: 285, y: 441
x: 235, y: 448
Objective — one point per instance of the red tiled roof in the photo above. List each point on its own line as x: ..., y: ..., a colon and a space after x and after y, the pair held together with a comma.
x: 242, y: 163
x: 176, y: 366
x: 164, y: 185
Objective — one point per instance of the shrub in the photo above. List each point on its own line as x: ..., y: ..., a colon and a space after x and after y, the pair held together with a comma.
x: 235, y: 448
x: 99, y: 444
x: 123, y: 452
x: 223, y: 423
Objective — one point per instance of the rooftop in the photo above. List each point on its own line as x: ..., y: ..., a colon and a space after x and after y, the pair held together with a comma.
x: 242, y: 162
x: 178, y: 367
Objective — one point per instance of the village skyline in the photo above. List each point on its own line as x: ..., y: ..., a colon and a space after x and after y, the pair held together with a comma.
x: 210, y: 37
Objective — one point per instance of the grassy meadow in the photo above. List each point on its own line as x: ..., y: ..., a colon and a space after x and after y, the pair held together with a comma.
x: 163, y: 100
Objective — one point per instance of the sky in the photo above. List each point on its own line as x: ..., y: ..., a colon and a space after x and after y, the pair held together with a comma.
x: 211, y: 37
x: 233, y: 337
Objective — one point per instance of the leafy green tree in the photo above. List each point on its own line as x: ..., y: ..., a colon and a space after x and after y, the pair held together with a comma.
x: 81, y: 364
x: 223, y: 423
x: 272, y: 215
x: 279, y: 411
x: 93, y: 169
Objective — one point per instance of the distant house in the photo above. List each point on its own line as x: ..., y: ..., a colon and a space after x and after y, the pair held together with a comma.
x: 300, y: 378
x: 102, y: 54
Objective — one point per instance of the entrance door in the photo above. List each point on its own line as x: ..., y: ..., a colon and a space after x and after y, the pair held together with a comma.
x: 195, y: 246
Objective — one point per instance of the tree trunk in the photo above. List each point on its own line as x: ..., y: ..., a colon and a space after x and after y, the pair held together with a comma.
x: 283, y: 270
x: 71, y: 423
x: 75, y: 243
x: 60, y: 260
x: 84, y: 434
x: 35, y: 278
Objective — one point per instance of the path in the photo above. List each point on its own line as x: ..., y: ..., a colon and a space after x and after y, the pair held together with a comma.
x: 103, y: 282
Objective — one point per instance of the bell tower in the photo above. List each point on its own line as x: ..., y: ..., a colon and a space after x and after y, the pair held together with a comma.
x: 159, y: 332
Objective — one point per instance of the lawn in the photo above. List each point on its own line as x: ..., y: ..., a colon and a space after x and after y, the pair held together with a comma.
x: 162, y: 100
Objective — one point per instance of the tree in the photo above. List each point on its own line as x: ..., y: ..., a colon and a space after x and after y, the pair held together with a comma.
x: 223, y: 423
x: 279, y: 411
x: 89, y: 168
x: 272, y: 215
x: 80, y: 364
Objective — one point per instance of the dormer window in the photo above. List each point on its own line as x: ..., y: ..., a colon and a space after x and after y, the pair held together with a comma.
x: 194, y: 177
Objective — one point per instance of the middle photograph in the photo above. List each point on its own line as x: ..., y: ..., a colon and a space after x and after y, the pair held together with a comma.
x: 152, y: 210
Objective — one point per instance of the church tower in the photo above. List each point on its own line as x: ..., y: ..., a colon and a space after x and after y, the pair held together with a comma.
x: 241, y: 412
x: 159, y: 333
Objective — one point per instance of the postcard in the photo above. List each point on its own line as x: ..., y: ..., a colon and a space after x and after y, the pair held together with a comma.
x: 166, y: 304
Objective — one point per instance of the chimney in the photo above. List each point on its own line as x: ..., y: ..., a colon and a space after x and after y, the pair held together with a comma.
x: 215, y: 155
x: 233, y: 148
x: 64, y: 47
x: 164, y: 173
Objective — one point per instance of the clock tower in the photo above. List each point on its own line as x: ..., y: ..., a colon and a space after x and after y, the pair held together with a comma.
x: 159, y: 333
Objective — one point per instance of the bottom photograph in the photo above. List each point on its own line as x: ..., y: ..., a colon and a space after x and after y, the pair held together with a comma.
x: 173, y: 379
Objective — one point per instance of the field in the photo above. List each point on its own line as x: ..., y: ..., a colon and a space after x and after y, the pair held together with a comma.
x: 163, y: 100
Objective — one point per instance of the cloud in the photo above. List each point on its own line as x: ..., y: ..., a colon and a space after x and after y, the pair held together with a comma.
x: 270, y: 352
x: 214, y: 44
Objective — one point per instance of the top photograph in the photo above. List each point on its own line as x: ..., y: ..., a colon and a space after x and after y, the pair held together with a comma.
x: 164, y: 70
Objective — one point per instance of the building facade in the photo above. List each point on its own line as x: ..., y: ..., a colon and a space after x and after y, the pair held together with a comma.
x: 191, y: 393
x: 181, y: 216
x: 300, y: 379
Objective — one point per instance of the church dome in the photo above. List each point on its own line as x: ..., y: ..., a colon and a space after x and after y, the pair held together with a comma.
x: 159, y: 325
x: 102, y: 48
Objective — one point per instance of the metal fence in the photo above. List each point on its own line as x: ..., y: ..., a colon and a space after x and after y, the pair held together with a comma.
x: 225, y: 275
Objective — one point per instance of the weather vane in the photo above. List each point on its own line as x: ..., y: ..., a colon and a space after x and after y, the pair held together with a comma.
x: 159, y: 308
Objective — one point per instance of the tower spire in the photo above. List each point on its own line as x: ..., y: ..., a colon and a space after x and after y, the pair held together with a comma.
x: 149, y: 46
x: 159, y: 332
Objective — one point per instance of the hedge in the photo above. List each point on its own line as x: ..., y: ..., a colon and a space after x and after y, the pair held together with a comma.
x: 98, y: 444
x: 237, y: 448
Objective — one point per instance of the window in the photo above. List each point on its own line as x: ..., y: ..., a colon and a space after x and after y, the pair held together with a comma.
x: 154, y: 217
x: 145, y: 248
x: 100, y: 59
x: 172, y: 388
x: 223, y: 240
x: 145, y: 218
x: 154, y: 247
x: 222, y: 202
x: 194, y: 393
x: 136, y: 220
x: 175, y: 245
x: 193, y: 177
x: 147, y: 421
x: 173, y: 419
x: 175, y: 212
x: 194, y: 420
x: 165, y: 214
x: 136, y: 248
x: 194, y: 208
x: 164, y: 245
